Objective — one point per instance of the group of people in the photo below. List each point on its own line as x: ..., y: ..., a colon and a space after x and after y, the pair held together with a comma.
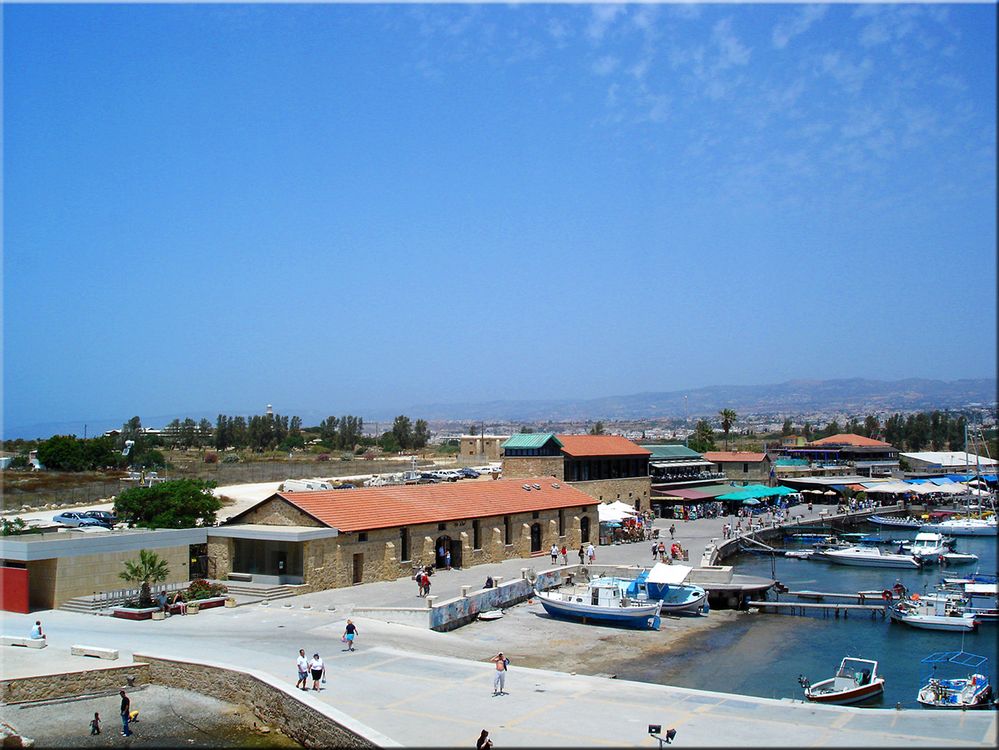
x: 422, y: 578
x: 555, y: 552
x: 659, y: 552
x: 306, y: 667
x: 177, y: 601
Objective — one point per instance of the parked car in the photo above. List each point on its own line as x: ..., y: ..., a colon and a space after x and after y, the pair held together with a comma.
x: 104, y: 516
x: 469, y: 473
x: 448, y: 475
x: 428, y: 478
x: 72, y: 518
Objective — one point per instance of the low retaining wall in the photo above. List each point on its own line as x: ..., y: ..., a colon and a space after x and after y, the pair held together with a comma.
x: 453, y: 613
x: 305, y: 719
x: 418, y: 617
x: 70, y: 684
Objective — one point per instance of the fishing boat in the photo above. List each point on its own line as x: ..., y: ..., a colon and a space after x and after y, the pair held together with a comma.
x: 935, y: 614
x: 664, y: 583
x: 866, y: 556
x: 959, y: 558
x: 856, y: 680
x: 928, y: 546
x: 902, y: 523
x: 600, y: 602
x: 972, y: 690
x: 964, y: 526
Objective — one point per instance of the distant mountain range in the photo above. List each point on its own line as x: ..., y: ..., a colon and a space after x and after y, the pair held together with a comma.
x: 852, y: 395
x: 793, y: 396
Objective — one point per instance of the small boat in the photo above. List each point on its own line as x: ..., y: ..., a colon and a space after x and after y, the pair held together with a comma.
x: 856, y: 680
x: 972, y: 690
x: 903, y: 523
x: 959, y: 558
x: 801, y: 554
x: 928, y: 546
x: 493, y: 614
x: 664, y: 583
x: 600, y: 602
x: 938, y: 614
x: 964, y: 526
x: 866, y: 556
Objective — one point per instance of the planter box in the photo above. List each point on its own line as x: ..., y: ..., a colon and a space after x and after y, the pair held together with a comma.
x: 230, y: 602
x: 134, y: 613
x: 215, y: 601
x: 159, y: 615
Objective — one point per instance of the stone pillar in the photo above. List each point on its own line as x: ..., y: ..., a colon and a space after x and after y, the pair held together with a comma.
x: 552, y: 531
x: 523, y: 573
x: 497, y: 580
x: 497, y: 550
x: 428, y: 554
x: 523, y: 547
x: 430, y: 599
x: 573, y: 535
x: 390, y: 564
x: 465, y: 590
x: 466, y: 549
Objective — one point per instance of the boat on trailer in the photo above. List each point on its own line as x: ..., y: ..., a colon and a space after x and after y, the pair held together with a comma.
x: 971, y: 690
x: 856, y: 680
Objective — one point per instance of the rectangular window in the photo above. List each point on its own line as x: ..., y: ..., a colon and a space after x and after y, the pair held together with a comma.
x: 476, y: 534
x: 535, y: 514
x: 362, y: 536
x: 404, y: 544
x: 442, y: 527
x: 506, y: 529
x: 745, y: 468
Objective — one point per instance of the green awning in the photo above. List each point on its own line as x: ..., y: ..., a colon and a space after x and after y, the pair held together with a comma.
x: 756, y: 491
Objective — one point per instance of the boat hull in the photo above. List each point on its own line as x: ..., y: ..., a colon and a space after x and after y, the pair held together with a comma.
x: 873, y: 561
x: 984, y: 530
x: 935, y: 622
x: 638, y: 617
x: 845, y: 697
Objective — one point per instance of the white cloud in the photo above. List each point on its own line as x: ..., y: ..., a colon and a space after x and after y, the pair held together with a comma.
x: 732, y: 51
x: 601, y: 19
x: 849, y: 75
x: 784, y: 32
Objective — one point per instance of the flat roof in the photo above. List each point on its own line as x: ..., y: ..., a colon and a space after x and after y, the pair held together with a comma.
x: 270, y: 532
x: 29, y: 547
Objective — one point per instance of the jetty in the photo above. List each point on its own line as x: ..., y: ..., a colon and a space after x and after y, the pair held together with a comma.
x: 801, y: 608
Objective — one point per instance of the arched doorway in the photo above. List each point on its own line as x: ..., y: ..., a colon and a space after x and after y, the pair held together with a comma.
x: 441, y: 547
x: 535, y: 537
x: 584, y: 529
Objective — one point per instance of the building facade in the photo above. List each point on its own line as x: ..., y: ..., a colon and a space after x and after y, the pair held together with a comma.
x: 479, y: 448
x: 741, y: 466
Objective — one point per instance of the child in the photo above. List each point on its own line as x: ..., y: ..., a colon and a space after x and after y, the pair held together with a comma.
x: 95, y: 724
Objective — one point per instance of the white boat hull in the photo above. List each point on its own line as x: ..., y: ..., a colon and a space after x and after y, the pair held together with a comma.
x: 635, y: 616
x: 962, y: 623
x: 851, y: 557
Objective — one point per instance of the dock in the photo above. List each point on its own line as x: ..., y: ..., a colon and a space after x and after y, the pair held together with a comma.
x: 802, y: 608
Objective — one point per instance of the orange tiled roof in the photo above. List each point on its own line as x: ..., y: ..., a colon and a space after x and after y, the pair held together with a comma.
x: 600, y: 445
x: 847, y: 438
x: 407, y: 505
x: 745, y: 456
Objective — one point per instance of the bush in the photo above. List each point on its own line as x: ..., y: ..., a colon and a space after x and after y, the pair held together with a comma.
x: 323, y: 457
x: 202, y: 589
x: 231, y: 458
x: 211, y: 458
x: 19, y: 462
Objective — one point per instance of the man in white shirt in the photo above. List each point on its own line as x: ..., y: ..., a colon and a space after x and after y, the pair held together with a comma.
x: 303, y: 670
x: 36, y: 630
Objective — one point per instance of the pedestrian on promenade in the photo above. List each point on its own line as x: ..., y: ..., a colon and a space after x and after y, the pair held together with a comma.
x: 490, y: 583
x: 126, y: 706
x: 303, y: 669
x: 318, y: 670
x: 582, y: 554
x: 565, y: 555
x: 36, y: 631
x: 554, y: 553
x: 499, y: 680
x: 672, y: 530
x: 738, y: 526
x: 655, y: 551
x: 447, y: 559
x: 426, y: 585
x: 349, y: 633
x: 591, y: 553
x: 483, y: 743
x: 95, y: 724
x: 662, y: 551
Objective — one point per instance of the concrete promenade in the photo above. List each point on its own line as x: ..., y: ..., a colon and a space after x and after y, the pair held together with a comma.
x: 403, y: 683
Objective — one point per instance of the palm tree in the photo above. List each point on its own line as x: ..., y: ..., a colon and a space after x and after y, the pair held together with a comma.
x: 149, y: 569
x: 728, y: 418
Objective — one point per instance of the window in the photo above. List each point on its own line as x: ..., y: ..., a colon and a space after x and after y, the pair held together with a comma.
x: 476, y: 534
x: 584, y: 529
x: 535, y: 514
x: 362, y: 536
x: 404, y: 544
x: 506, y: 529
x: 561, y: 522
x: 745, y: 468
x: 441, y: 526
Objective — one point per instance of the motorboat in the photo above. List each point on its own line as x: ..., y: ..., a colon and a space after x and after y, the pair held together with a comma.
x: 664, y: 583
x: 959, y: 558
x: 856, y: 680
x: 866, y: 556
x: 937, y: 613
x: 902, y: 523
x: 971, y: 690
x: 801, y: 554
x: 600, y: 602
x: 928, y: 546
x: 982, y: 600
x: 964, y: 526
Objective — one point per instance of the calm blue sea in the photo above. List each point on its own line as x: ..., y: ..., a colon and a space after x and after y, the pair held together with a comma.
x: 763, y: 654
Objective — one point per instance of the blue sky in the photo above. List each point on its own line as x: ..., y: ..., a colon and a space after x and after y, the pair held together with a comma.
x: 338, y: 207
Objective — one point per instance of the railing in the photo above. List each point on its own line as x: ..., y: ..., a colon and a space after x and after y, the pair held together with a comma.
x: 118, y: 597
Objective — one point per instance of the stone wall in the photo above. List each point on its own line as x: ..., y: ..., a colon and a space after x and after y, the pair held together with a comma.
x: 70, y: 684
x: 278, y: 512
x: 629, y: 490
x: 303, y: 718
x: 534, y: 467
x: 221, y: 552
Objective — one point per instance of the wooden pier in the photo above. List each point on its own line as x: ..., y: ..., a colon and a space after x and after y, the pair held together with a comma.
x: 801, y: 608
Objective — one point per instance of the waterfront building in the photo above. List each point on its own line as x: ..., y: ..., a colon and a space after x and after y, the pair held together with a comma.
x: 741, y: 466
x: 845, y: 452
x: 935, y: 463
x: 608, y: 468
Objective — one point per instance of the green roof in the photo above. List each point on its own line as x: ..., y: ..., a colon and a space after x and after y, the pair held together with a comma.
x: 531, y: 440
x: 671, y: 451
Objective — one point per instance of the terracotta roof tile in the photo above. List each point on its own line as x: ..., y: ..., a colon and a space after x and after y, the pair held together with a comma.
x: 600, y: 445
x: 745, y: 456
x: 409, y: 505
x: 846, y: 438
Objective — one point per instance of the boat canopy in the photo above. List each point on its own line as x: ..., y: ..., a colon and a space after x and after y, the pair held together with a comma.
x: 963, y: 658
x: 668, y: 574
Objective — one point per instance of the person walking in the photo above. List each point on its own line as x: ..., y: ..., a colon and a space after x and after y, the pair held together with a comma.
x: 303, y: 669
x: 95, y: 724
x: 447, y: 559
x: 672, y: 530
x: 662, y: 551
x: 426, y: 585
x: 126, y: 706
x: 591, y: 553
x: 318, y: 670
x: 554, y: 553
x: 349, y: 633
x: 483, y: 743
x: 565, y: 555
x: 582, y: 554
x: 655, y: 550
x: 499, y: 680
x: 419, y: 583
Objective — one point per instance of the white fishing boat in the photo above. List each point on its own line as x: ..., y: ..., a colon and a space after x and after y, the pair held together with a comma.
x: 935, y: 614
x: 971, y: 690
x: 801, y: 554
x: 600, y: 603
x: 928, y: 546
x: 959, y: 558
x: 664, y: 583
x: 856, y: 680
x: 866, y: 556
x: 964, y: 526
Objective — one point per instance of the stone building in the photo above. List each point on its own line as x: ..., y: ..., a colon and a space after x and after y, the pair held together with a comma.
x: 381, y: 533
x: 606, y: 467
x: 480, y: 448
x: 741, y: 466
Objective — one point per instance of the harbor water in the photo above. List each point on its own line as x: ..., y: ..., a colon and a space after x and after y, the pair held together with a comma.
x: 762, y: 654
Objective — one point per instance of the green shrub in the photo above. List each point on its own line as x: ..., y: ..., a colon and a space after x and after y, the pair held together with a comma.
x: 202, y: 589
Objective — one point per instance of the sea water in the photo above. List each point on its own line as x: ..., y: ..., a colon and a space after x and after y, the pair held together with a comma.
x: 763, y: 654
